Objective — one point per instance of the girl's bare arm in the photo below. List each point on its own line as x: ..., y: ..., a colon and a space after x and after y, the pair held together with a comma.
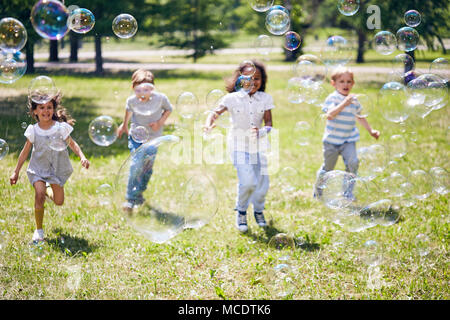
x: 22, y: 157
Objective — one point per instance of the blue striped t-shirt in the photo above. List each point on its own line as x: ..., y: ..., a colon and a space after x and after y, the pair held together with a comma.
x: 342, y: 128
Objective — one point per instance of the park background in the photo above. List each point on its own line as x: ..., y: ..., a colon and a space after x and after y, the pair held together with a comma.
x: 92, y: 253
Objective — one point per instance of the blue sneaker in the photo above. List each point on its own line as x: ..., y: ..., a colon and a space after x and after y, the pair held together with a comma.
x: 241, y: 222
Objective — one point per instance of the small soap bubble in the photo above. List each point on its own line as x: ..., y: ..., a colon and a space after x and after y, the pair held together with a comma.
x: 407, y: 39
x: 49, y: 19
x: 412, y: 18
x: 124, y: 26
x: 103, y: 131
x: 261, y: 5
x: 81, y: 20
x: 4, y: 149
x: 13, y: 35
x: 385, y: 42
x: 263, y: 44
x: 282, y: 241
x: 292, y: 40
x: 348, y: 7
x: 278, y: 21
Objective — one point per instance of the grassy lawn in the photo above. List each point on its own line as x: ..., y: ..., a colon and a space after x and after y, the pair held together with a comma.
x: 92, y: 252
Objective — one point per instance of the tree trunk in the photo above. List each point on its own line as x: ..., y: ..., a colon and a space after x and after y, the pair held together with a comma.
x: 74, y: 39
x: 444, y: 51
x: 98, y: 54
x: 361, y: 42
x: 53, y: 51
x: 29, y: 49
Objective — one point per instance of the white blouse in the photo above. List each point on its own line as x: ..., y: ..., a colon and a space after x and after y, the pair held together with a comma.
x: 65, y: 128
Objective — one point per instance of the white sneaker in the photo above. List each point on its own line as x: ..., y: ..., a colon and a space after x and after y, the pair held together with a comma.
x: 241, y: 222
x: 38, y: 235
x: 259, y: 217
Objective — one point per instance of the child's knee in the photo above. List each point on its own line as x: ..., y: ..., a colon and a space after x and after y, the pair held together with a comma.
x: 248, y: 186
x: 59, y: 202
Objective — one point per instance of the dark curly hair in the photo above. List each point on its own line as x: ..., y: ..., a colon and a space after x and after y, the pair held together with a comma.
x: 60, y: 113
x: 230, y: 82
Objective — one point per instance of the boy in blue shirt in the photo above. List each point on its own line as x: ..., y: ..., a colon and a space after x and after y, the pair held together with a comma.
x: 341, y: 134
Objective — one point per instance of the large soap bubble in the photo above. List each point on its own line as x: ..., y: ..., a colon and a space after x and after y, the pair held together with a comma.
x: 282, y: 241
x: 392, y: 101
x: 348, y: 7
x: 187, y: 105
x: 372, y: 161
x: 441, y: 180
x: 124, y: 26
x: 81, y: 20
x: 371, y: 253
x: 385, y: 42
x: 140, y: 134
x: 49, y: 19
x: 278, y: 21
x: 407, y: 39
x: 292, y: 40
x: 336, y: 189
x: 436, y: 90
x: 337, y: 51
x: 402, y: 63
x: 302, y: 133
x: 263, y: 44
x: 441, y: 68
x: 213, y: 98
x: 13, y: 35
x: 398, y: 146
x: 142, y: 179
x: 422, y: 184
x: 4, y: 149
x: 57, y: 140
x: 261, y: 5
x: 12, y: 67
x: 412, y: 18
x: 42, y: 89
x: 103, y: 131
x: 310, y: 67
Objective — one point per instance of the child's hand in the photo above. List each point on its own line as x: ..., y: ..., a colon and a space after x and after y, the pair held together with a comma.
x: 155, y: 125
x: 121, y: 130
x: 208, y: 129
x: 375, y: 134
x: 13, y: 179
x: 85, y: 163
x: 349, y: 99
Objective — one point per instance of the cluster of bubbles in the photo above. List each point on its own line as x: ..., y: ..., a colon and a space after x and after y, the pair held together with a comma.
x: 13, y: 37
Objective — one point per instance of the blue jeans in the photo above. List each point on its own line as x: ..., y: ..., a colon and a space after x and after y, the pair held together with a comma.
x: 141, y: 169
x: 331, y: 153
x: 253, y: 179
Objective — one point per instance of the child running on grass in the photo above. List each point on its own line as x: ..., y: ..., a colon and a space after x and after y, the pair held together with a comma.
x: 247, y: 138
x: 48, y: 167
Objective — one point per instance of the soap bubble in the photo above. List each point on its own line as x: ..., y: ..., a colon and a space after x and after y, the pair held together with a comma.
x: 337, y: 51
x: 294, y: 90
x: 381, y: 212
x: 372, y: 254
x: 416, y: 90
x: 247, y: 68
x: 422, y: 244
x: 392, y: 101
x: 143, y: 92
x: 13, y: 35
x: 140, y: 134
x: 4, y: 149
x: 261, y: 5
x: 407, y: 39
x: 243, y: 84
x: 302, y: 133
x: 103, y: 131
x: 282, y: 241
x: 385, y: 42
x: 49, y: 19
x: 104, y: 193
x: 402, y: 63
x: 348, y: 7
x: 310, y: 67
x: 412, y: 18
x: 187, y: 105
x: 278, y: 21
x: 263, y: 44
x: 436, y: 90
x: 440, y: 67
x: 124, y: 26
x: 81, y: 21
x: 23, y: 125
x: 336, y: 189
x: 42, y: 89
x: 12, y: 67
x: 396, y: 185
x: 398, y: 146
x: 147, y: 173
x: 372, y: 161
x: 366, y: 103
x: 422, y: 184
x: 213, y: 98
x: 292, y: 40
x: 441, y: 180
x: 200, y: 201
x: 57, y: 141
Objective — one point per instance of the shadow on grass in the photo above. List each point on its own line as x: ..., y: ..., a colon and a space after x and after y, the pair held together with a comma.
x: 70, y: 245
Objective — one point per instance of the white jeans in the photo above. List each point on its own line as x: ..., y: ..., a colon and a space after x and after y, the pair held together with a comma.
x: 253, y: 180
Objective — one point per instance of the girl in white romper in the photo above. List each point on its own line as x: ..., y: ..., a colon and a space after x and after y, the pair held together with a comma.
x: 246, y: 141
x: 47, y: 167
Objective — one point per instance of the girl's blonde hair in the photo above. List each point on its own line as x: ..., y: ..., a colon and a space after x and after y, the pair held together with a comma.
x: 339, y: 71
x: 142, y: 76
x: 60, y: 113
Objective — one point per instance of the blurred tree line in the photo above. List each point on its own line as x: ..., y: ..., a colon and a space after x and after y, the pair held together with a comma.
x: 204, y: 26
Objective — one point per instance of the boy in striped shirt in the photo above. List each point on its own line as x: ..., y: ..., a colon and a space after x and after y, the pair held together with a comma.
x: 341, y: 134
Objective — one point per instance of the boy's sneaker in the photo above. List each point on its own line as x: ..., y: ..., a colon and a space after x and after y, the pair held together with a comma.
x: 259, y: 217
x: 38, y: 235
x: 127, y: 207
x: 48, y: 193
x: 241, y: 222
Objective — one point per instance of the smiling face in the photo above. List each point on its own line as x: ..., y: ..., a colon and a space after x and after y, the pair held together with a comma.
x: 257, y: 81
x: 44, y: 112
x: 343, y: 83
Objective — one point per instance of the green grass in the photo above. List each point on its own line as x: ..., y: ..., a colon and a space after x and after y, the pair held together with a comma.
x: 93, y: 253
